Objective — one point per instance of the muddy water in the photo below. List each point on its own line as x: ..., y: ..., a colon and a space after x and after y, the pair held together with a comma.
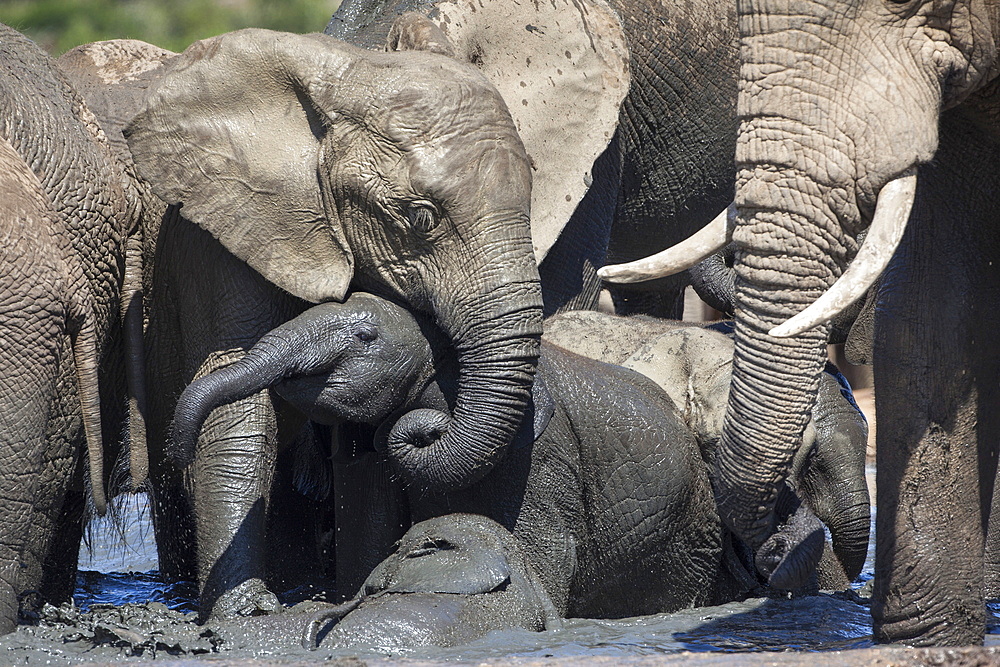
x: 123, y: 611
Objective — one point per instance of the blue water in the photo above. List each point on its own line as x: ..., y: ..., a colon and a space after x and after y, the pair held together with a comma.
x: 121, y: 568
x: 118, y: 563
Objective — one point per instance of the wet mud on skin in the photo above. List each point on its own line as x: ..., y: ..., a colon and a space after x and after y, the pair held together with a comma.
x: 122, y: 618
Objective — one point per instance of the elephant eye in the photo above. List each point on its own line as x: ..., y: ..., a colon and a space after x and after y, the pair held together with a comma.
x: 366, y: 333
x: 423, y: 216
x: 430, y: 546
x: 426, y: 548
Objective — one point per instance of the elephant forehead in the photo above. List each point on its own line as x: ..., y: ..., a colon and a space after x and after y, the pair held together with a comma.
x: 437, y: 94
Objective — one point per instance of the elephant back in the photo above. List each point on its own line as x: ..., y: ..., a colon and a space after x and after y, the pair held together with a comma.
x: 55, y: 133
x: 366, y: 24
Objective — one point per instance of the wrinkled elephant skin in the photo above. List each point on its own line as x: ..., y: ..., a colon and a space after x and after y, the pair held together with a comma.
x: 694, y: 366
x: 604, y: 485
x: 64, y: 224
x: 668, y: 168
x: 851, y: 114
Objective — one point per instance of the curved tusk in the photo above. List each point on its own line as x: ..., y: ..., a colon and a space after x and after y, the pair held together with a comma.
x: 709, y: 239
x: 892, y: 211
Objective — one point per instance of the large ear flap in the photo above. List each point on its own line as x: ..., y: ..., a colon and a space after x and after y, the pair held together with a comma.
x: 231, y: 132
x: 562, y: 68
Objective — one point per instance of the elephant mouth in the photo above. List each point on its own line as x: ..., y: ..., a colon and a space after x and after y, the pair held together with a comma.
x: 892, y: 212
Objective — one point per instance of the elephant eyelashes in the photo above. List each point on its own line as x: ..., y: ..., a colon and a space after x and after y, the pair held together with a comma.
x: 423, y: 216
x: 429, y: 547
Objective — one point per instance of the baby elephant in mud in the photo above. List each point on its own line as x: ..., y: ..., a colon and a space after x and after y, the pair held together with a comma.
x: 693, y: 364
x: 604, y: 485
x: 451, y: 580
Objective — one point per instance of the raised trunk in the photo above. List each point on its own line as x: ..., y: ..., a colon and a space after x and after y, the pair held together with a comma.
x: 261, y: 367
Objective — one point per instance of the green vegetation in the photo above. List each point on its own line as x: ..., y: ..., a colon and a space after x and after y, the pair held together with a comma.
x: 59, y: 25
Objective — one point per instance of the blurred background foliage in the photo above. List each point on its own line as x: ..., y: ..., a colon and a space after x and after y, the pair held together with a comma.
x: 59, y: 25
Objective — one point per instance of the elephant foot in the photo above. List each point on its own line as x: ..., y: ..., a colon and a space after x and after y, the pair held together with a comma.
x: 251, y: 598
x: 789, y: 558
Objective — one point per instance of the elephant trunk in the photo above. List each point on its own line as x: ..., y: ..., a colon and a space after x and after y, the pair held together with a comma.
x: 850, y: 527
x: 790, y: 249
x: 497, y: 360
x: 262, y: 366
x: 832, y: 480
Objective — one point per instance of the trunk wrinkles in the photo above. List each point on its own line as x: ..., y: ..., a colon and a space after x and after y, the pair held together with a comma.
x: 790, y: 248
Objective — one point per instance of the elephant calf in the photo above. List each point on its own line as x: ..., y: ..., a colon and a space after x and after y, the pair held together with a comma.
x: 693, y: 364
x: 451, y: 580
x: 604, y: 485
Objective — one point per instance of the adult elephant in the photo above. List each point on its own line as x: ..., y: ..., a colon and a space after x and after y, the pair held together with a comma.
x: 317, y: 166
x: 65, y: 224
x: 669, y: 166
x: 869, y: 114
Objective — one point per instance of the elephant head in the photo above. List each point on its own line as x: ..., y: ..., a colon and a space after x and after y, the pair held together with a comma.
x: 366, y: 360
x: 562, y: 66
x: 360, y: 361
x: 839, y: 105
x: 417, y: 595
x: 325, y: 166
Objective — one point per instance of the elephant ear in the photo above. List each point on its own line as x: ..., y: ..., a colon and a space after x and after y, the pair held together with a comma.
x: 543, y: 407
x: 561, y: 67
x: 232, y: 131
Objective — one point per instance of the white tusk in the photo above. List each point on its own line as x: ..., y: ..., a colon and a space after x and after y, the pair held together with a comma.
x: 892, y: 211
x: 709, y: 239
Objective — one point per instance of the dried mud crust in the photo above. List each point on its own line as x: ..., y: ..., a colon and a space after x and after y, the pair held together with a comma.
x: 108, y: 634
x: 139, y: 632
x: 148, y: 629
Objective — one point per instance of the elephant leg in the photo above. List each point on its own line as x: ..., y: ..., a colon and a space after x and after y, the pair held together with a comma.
x: 23, y: 499
x: 936, y: 366
x: 992, y: 557
x: 299, y: 554
x: 171, y: 502
x: 206, y: 308
x: 233, y: 474
x: 371, y: 516
x: 59, y: 568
